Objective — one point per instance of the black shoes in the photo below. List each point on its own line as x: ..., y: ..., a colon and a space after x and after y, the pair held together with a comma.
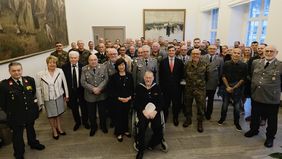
x: 268, y: 143
x: 238, y: 127
x: 220, y: 122
x: 105, y: 130
x: 251, y: 133
x: 127, y: 134
x: 187, y: 122
x: 140, y: 155
x: 37, y: 146
x: 56, y: 137
x: 61, y: 133
x: 92, y: 132
x: 164, y: 146
x: 208, y: 116
x: 200, y: 127
x: 175, y: 121
x: 76, y: 126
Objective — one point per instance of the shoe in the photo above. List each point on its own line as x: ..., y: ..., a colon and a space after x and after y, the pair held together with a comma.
x: 164, y: 146
x: 56, y: 137
x: 251, y: 133
x: 262, y: 122
x: 220, y: 122
x: 248, y: 118
x: 187, y: 122
x: 238, y: 127
x: 208, y: 117
x: 92, y: 132
x: 105, y: 130
x: 120, y: 138
x: 127, y: 134
x: 19, y: 157
x: 37, y: 146
x: 76, y: 126
x: 87, y: 126
x: 200, y: 127
x: 175, y: 121
x: 268, y: 143
x: 140, y: 155
x: 61, y: 133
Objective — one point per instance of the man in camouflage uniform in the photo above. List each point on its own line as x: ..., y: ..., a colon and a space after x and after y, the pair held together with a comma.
x: 195, y: 75
x: 83, y: 53
x: 60, y: 54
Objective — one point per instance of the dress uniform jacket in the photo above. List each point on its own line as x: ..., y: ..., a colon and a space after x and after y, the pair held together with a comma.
x: 266, y: 83
x: 139, y: 69
x: 19, y: 102
x: 89, y: 80
x: 110, y: 68
x: 214, y: 71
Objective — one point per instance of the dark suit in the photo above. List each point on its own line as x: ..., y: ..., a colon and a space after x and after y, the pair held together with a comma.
x: 170, y: 85
x: 20, y: 105
x: 76, y: 96
x: 102, y: 57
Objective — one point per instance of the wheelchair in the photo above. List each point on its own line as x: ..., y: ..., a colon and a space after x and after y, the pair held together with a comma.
x: 135, y: 130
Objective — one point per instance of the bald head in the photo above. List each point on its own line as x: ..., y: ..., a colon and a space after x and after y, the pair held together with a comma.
x: 92, y: 60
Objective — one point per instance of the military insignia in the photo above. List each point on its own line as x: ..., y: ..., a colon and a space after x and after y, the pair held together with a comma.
x: 273, y: 78
x: 10, y: 83
x: 25, y: 81
x: 29, y: 88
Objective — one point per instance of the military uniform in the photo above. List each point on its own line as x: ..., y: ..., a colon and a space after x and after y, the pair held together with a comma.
x: 63, y: 57
x: 91, y: 78
x: 265, y: 93
x: 195, y: 77
x: 20, y: 104
x: 140, y: 66
x: 83, y: 56
x: 102, y: 57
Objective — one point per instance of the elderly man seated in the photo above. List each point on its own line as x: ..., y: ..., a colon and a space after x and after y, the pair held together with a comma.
x: 148, y: 104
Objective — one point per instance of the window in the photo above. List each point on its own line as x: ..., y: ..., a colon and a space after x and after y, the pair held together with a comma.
x: 257, y: 22
x: 214, y: 20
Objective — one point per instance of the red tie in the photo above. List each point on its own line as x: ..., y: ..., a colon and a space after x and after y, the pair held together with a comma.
x: 171, y: 65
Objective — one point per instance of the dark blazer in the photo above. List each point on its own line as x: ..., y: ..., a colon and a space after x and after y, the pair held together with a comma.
x: 101, y: 57
x: 67, y: 68
x: 168, y: 78
x: 19, y: 102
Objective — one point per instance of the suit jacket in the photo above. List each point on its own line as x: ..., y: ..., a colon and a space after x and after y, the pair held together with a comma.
x: 266, y: 82
x: 19, y: 102
x: 214, y: 71
x: 89, y: 80
x: 170, y: 79
x: 67, y: 68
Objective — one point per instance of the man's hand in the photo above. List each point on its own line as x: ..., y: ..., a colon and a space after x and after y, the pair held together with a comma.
x: 146, y: 114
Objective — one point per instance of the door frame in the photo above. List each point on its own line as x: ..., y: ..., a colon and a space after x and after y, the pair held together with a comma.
x: 109, y: 27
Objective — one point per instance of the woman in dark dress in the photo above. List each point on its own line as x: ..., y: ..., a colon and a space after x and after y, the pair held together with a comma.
x: 120, y: 89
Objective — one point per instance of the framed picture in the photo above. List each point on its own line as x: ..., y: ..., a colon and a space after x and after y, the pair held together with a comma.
x: 29, y: 27
x: 166, y: 23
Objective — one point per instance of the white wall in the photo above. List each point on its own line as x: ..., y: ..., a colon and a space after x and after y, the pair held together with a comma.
x: 82, y: 15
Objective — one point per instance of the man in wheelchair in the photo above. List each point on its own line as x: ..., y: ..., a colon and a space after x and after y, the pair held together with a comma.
x: 148, y: 105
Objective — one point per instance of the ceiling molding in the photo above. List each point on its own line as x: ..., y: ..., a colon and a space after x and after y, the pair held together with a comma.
x: 209, y: 7
x: 234, y: 3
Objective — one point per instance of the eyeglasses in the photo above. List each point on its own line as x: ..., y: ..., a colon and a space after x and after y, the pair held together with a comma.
x: 270, y: 51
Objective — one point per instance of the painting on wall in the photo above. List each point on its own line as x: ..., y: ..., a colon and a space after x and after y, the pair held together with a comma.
x: 168, y: 24
x: 30, y: 27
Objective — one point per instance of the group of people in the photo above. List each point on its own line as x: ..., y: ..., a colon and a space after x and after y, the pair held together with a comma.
x: 148, y: 77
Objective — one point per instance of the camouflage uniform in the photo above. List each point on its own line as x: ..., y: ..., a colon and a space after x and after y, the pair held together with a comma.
x: 195, y: 77
x: 83, y: 56
x: 63, y: 57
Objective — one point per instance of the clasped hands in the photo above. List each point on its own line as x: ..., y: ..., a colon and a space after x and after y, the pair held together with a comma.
x: 124, y: 100
x: 149, y: 115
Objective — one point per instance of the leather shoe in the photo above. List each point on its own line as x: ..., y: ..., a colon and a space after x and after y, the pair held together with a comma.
x: 251, y: 133
x: 187, y: 122
x: 92, y: 132
x: 140, y: 155
x: 119, y: 138
x: 87, y: 126
x: 208, y: 117
x: 175, y: 121
x: 200, y: 127
x: 61, y: 133
x: 105, y: 130
x: 127, y: 134
x: 76, y: 126
x: 268, y: 143
x: 56, y: 137
x: 37, y: 146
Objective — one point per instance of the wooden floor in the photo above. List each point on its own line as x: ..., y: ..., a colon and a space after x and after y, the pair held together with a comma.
x: 216, y: 142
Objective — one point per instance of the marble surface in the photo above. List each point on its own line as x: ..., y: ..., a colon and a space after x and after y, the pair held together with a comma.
x: 216, y: 142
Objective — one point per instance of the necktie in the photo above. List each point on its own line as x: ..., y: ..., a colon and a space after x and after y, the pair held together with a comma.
x: 74, y: 77
x: 94, y: 70
x: 210, y: 58
x: 171, y: 65
x: 19, y: 83
x: 146, y: 61
x: 267, y: 63
x: 183, y: 59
